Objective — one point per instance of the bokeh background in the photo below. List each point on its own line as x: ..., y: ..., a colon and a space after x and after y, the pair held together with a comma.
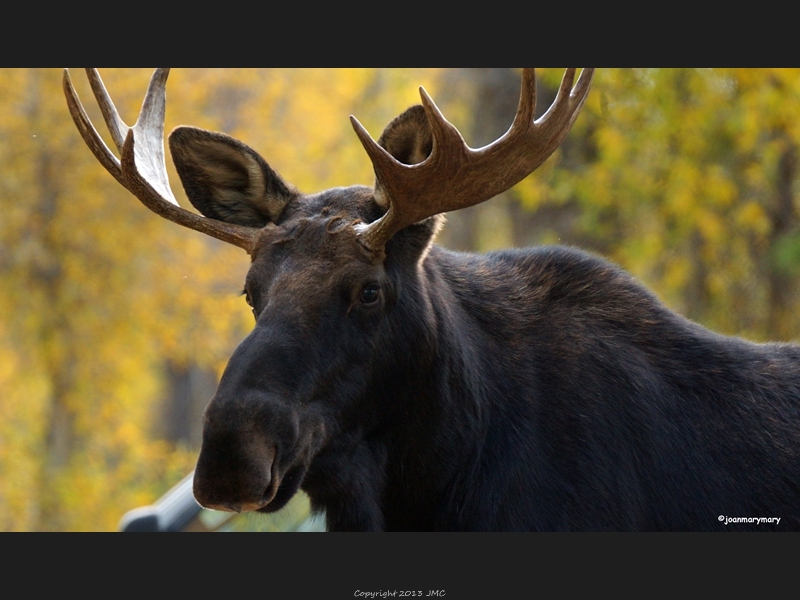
x: 115, y: 324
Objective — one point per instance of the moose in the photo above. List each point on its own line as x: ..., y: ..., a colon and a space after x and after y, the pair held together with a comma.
x: 407, y: 387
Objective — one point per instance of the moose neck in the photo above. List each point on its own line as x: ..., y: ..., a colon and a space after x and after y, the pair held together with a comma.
x: 433, y: 379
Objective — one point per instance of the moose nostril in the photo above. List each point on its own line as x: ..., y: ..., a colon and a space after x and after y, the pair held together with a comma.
x: 248, y: 488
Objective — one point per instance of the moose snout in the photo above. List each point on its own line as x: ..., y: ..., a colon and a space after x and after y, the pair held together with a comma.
x: 248, y: 429
x: 236, y: 481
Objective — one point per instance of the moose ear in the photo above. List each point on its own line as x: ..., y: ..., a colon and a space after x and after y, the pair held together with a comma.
x: 227, y: 180
x: 408, y: 137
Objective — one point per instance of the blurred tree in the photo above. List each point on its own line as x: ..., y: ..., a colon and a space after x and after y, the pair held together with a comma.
x: 690, y: 186
x: 64, y: 272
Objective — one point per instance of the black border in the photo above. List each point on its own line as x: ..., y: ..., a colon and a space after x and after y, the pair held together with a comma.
x: 463, y: 565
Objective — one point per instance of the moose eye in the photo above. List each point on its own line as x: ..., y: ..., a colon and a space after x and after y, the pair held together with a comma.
x: 370, y: 294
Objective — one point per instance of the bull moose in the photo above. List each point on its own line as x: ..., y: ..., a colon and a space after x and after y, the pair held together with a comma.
x: 404, y: 386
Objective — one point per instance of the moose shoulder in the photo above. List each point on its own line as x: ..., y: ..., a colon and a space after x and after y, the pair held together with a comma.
x: 407, y: 387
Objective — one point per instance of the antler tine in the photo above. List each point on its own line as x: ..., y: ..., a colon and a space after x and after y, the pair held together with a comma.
x: 581, y: 89
x: 454, y: 175
x: 149, y: 131
x: 116, y: 126
x: 445, y: 135
x: 376, y: 154
x: 89, y: 134
x: 142, y: 168
x: 526, y: 109
x: 567, y: 103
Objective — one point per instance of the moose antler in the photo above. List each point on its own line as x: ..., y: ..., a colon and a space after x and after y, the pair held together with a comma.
x: 142, y: 169
x: 456, y: 176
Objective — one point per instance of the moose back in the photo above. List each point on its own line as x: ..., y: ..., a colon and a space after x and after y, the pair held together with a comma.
x: 403, y: 386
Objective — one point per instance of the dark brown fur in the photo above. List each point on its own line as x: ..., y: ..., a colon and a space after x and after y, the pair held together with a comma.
x: 528, y: 390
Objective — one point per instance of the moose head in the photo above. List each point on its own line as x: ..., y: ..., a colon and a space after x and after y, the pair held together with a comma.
x: 345, y: 364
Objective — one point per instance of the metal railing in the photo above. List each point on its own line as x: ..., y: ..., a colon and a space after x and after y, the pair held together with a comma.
x: 177, y: 510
